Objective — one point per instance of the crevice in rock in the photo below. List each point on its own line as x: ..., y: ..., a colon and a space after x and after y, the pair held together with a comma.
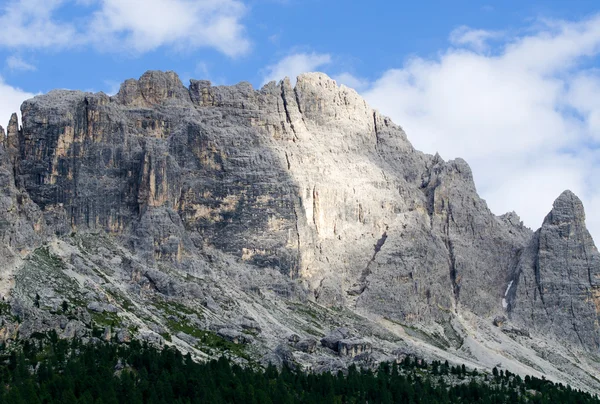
x: 538, y: 282
x: 297, y: 96
x: 376, y: 129
x: 361, y: 285
x: 288, y: 117
x: 575, y: 324
x: 375, y: 125
x: 454, y: 277
x: 513, y: 280
x: 294, y: 274
x: 315, y: 211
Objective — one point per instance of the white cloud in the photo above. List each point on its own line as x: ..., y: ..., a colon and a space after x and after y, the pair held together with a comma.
x: 293, y: 65
x: 126, y: 25
x: 526, y: 118
x: 10, y: 101
x: 33, y: 24
x: 474, y: 38
x: 16, y: 63
x: 144, y: 25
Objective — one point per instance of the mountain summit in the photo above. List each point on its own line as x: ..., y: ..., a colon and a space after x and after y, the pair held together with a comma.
x: 286, y: 224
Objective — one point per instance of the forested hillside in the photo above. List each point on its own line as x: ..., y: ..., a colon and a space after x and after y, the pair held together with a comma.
x: 53, y: 370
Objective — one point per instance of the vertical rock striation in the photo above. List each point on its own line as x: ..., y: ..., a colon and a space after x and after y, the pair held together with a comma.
x: 557, y: 281
x: 308, y: 181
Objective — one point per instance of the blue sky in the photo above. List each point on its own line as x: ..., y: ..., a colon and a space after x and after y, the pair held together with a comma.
x: 363, y: 37
x: 511, y: 86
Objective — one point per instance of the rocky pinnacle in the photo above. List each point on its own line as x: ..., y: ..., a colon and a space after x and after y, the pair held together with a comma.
x: 300, y: 194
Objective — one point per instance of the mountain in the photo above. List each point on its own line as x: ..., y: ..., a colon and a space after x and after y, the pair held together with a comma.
x: 287, y: 224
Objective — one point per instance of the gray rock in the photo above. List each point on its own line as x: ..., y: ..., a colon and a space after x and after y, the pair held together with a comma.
x: 210, y: 304
x: 234, y: 336
x: 151, y: 338
x: 308, y: 345
x: 96, y: 307
x: 188, y: 339
x: 331, y: 340
x: 499, y: 320
x: 123, y: 336
x: 111, y: 308
x: 353, y: 346
x: 250, y: 325
x: 279, y: 204
x: 73, y: 329
x: 556, y: 285
x: 107, y: 334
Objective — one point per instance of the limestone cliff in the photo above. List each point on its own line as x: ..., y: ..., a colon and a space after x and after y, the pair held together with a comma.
x: 255, y: 213
x: 556, y: 287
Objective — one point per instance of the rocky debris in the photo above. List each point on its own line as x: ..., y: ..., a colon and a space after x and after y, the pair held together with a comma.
x: 210, y: 304
x: 8, y: 332
x: 516, y: 332
x: 123, y: 336
x: 188, y: 339
x: 151, y: 338
x: 329, y: 364
x: 342, y: 342
x: 353, y: 346
x: 99, y: 307
x: 281, y: 356
x: 234, y: 336
x: 278, y: 204
x: 119, y: 365
x: 293, y: 339
x: 74, y: 329
x: 331, y: 340
x: 157, y: 328
x: 308, y: 345
x: 250, y: 326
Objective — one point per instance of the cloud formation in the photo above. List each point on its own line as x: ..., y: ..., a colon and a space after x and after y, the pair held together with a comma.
x: 476, y: 39
x: 32, y: 24
x: 10, y: 101
x: 17, y: 63
x: 293, y: 65
x: 525, y: 115
x: 136, y: 26
x: 144, y: 25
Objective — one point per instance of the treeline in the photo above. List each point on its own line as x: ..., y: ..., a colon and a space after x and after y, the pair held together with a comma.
x: 61, y: 371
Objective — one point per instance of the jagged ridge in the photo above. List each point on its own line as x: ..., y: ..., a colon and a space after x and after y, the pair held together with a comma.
x: 255, y: 199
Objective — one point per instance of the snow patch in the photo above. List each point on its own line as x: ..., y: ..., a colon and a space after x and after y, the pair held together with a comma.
x: 508, y: 288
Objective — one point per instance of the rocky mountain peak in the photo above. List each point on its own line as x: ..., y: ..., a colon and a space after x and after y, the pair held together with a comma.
x: 152, y: 88
x: 12, y: 133
x: 567, y: 208
x: 182, y: 211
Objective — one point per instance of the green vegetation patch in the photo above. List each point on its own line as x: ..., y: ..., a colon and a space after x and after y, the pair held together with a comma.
x: 44, y: 269
x: 52, y: 370
x: 176, y: 309
x: 106, y: 318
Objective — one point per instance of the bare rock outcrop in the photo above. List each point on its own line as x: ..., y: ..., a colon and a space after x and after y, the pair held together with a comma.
x: 556, y: 287
x: 258, y: 213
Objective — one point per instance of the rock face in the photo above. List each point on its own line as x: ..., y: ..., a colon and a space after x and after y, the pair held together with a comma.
x: 296, y: 209
x: 556, y: 287
x: 353, y: 346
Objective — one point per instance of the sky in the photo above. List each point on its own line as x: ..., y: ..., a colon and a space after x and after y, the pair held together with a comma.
x: 513, y: 87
